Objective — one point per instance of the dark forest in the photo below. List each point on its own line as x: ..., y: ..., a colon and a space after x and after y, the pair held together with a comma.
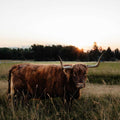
x: 67, y: 53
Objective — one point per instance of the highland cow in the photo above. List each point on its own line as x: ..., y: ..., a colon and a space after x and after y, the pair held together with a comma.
x: 43, y: 81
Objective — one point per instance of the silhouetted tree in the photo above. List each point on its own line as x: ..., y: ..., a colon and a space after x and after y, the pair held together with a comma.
x: 109, y: 55
x: 94, y: 53
x: 38, y: 52
x: 117, y: 54
x: 69, y: 53
x: 5, y: 53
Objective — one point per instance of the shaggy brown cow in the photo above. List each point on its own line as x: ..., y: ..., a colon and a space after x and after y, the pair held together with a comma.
x: 42, y: 81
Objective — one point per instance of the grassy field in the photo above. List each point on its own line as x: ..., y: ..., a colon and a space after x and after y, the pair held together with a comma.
x: 98, y: 101
x: 107, y: 72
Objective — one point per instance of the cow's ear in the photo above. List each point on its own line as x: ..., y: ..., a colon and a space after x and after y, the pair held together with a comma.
x: 67, y: 72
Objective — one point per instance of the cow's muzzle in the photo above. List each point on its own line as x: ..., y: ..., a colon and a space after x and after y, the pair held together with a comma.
x: 80, y: 85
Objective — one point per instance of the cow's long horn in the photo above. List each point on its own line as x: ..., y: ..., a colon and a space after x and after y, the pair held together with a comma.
x: 96, y: 65
x: 64, y: 67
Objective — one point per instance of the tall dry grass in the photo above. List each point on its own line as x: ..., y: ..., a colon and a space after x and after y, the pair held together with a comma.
x: 87, y: 108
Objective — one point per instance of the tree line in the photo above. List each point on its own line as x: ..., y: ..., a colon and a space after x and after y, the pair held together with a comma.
x: 51, y: 53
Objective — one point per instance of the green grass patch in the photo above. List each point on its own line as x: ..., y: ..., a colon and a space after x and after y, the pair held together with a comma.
x: 4, y: 69
x: 104, y: 79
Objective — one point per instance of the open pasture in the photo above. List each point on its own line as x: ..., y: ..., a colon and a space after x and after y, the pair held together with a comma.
x: 107, y: 72
x: 98, y: 101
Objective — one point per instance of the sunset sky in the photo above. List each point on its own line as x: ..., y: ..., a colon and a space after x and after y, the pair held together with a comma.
x: 66, y: 22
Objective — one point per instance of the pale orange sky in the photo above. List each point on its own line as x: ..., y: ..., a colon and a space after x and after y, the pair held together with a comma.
x: 67, y: 22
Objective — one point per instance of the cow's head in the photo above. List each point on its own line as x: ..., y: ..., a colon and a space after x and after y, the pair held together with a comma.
x: 77, y: 73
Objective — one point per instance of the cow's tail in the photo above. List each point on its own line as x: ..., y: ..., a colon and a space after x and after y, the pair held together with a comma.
x: 10, y: 86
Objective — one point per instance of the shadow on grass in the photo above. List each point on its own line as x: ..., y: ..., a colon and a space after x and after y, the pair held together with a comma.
x: 107, y: 79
